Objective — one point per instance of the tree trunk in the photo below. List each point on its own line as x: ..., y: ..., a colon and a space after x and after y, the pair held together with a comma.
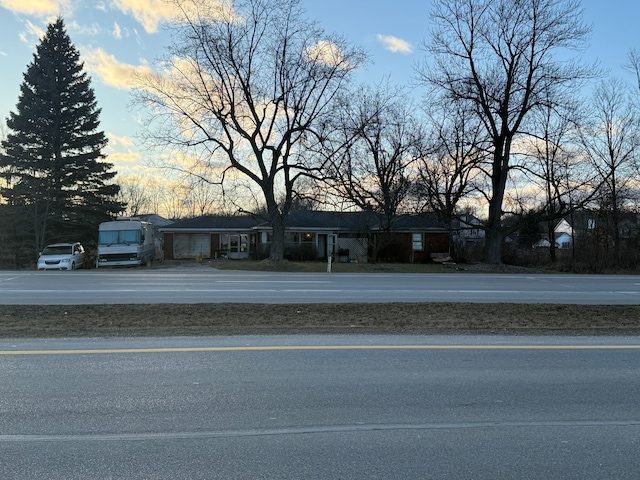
x: 276, y: 219
x: 493, y: 247
x: 552, y: 241
x: 494, y: 233
x: 617, y: 248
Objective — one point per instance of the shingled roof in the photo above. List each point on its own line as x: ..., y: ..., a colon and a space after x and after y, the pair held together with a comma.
x: 218, y: 222
x: 311, y: 220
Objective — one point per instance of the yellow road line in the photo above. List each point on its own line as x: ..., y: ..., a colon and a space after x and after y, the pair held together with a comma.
x: 316, y: 347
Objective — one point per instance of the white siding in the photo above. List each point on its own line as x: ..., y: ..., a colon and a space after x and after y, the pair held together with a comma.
x: 191, y: 245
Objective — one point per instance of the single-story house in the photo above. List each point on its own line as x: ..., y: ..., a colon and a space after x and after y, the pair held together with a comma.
x: 563, y: 234
x: 209, y: 236
x: 347, y: 236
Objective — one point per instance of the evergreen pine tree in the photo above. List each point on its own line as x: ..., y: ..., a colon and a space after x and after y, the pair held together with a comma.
x: 57, y: 183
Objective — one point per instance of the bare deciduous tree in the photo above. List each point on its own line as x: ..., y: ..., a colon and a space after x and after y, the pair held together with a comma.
x: 202, y: 196
x: 135, y: 195
x: 557, y: 166
x: 612, y: 142
x: 454, y: 158
x: 245, y: 89
x: 633, y: 65
x: 500, y: 55
x: 376, y: 140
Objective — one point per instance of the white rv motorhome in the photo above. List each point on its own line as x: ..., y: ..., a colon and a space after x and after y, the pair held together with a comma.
x: 125, y: 242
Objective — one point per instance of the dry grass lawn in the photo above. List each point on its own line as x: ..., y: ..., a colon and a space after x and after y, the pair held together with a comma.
x: 231, y: 319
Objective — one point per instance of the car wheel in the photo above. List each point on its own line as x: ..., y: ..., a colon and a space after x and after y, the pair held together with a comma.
x: 73, y: 265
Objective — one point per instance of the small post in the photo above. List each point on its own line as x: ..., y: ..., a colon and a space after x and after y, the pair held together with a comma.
x: 329, y: 263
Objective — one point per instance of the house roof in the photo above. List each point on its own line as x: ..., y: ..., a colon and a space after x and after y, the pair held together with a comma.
x: 157, y: 220
x: 215, y: 222
x: 311, y: 220
x: 422, y: 221
x: 466, y: 221
x: 321, y: 220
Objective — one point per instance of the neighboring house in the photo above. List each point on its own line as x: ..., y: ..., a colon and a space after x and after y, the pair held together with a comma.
x: 467, y: 230
x: 158, y: 222
x: 563, y: 234
x: 347, y: 236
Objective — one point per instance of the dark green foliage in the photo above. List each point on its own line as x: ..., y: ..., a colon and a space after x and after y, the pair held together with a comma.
x: 56, y: 183
x: 530, y: 230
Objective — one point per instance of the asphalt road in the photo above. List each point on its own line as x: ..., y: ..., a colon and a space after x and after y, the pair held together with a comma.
x: 206, y: 285
x: 320, y: 407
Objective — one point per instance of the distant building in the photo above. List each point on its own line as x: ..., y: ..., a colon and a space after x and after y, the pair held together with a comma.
x: 467, y: 229
x: 563, y: 234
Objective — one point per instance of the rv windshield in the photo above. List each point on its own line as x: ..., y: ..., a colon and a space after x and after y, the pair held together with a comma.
x: 119, y: 237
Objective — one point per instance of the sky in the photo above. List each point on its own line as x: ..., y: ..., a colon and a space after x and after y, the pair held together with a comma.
x: 116, y: 38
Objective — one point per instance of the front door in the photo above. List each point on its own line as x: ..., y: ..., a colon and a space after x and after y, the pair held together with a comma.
x: 322, y: 246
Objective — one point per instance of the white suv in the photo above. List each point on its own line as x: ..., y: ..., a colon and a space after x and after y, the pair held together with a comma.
x: 61, y: 256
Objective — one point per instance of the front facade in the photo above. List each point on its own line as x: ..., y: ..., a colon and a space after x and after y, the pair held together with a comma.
x: 211, y: 236
x: 309, y: 235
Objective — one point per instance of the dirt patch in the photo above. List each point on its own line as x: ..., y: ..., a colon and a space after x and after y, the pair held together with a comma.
x: 231, y: 319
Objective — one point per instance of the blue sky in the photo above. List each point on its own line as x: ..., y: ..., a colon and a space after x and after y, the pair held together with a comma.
x: 117, y: 37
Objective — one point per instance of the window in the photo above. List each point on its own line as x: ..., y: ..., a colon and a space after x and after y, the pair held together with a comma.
x: 417, y: 241
x: 290, y: 237
x: 298, y: 238
x: 119, y: 237
x: 108, y: 237
x: 224, y: 242
x: 56, y: 250
x: 130, y: 236
x: 234, y: 243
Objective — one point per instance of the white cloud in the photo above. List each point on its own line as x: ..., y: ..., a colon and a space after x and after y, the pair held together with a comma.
x: 37, y: 7
x: 325, y: 52
x: 138, y: 38
x: 90, y: 30
x: 122, y: 158
x: 116, y: 141
x: 31, y: 31
x: 122, y: 153
x: 151, y: 13
x: 394, y: 44
x: 110, y: 70
x: 117, y: 31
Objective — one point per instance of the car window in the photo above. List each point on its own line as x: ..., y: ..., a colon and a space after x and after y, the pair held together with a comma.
x: 57, y: 250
